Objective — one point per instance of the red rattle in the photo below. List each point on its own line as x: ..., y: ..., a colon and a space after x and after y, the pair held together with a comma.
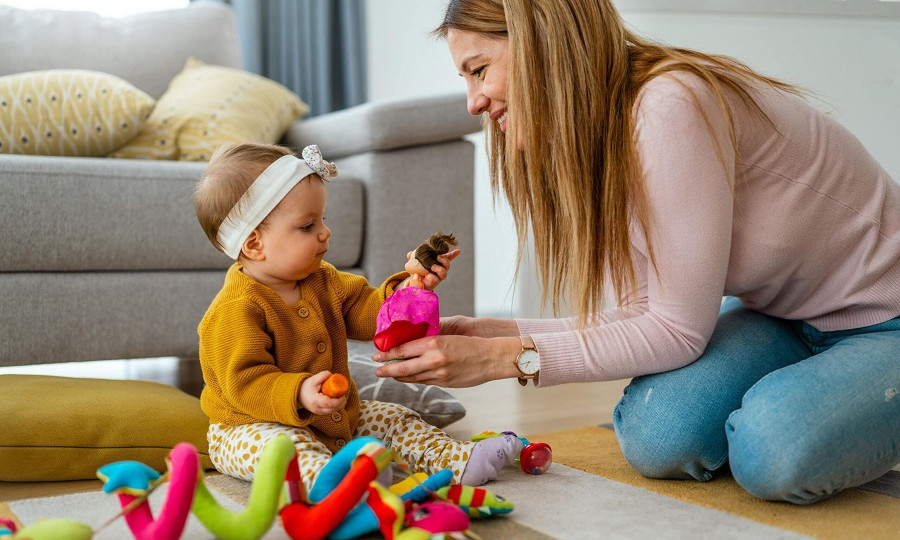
x: 536, y: 458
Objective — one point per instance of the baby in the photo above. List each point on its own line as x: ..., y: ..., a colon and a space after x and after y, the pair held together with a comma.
x: 279, y: 327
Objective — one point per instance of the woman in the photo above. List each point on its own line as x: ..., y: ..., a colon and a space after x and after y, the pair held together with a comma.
x: 665, y: 179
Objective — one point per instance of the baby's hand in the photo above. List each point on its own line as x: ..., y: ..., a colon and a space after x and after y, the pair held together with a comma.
x: 313, y: 400
x: 425, y: 279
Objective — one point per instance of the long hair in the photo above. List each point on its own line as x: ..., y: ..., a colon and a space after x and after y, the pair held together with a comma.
x: 574, y: 74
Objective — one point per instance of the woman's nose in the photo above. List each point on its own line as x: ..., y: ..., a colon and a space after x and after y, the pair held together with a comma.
x: 476, y: 102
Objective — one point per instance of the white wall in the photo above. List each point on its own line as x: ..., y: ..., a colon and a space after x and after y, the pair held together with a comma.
x: 404, y: 61
x: 851, y: 61
x: 848, y: 52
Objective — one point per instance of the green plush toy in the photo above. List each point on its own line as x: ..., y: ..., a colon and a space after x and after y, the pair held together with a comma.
x: 55, y: 529
x: 264, y: 502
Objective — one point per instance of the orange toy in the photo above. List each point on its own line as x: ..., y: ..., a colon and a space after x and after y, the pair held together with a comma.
x: 335, y: 386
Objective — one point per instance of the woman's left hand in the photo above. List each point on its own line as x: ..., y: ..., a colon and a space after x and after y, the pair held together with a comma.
x: 450, y: 361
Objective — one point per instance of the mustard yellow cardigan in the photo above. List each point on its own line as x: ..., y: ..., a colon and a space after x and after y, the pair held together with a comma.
x: 256, y: 351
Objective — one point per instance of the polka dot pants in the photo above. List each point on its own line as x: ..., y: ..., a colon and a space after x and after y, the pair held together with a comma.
x: 235, y: 450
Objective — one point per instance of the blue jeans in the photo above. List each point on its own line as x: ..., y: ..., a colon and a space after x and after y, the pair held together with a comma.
x: 798, y: 414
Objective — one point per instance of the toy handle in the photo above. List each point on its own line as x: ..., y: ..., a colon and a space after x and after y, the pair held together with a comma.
x: 335, y: 386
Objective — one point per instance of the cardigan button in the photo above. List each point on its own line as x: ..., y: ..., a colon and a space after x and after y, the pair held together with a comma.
x: 320, y: 346
x: 336, y: 416
x: 340, y: 443
x: 303, y: 312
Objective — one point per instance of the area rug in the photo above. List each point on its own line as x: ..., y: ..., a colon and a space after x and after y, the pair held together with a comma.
x: 869, y: 512
x: 589, y: 492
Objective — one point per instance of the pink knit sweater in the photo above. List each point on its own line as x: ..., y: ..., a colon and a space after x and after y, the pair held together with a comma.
x: 810, y: 232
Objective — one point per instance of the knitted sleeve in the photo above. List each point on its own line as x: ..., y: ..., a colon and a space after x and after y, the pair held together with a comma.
x: 688, y: 165
x: 237, y: 352
x: 360, y: 302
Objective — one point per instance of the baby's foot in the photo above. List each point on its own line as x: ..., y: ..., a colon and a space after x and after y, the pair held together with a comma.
x: 488, y: 457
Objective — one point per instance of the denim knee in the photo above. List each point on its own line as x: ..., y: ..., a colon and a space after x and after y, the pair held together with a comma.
x: 658, y: 446
x: 768, y: 463
x: 775, y: 451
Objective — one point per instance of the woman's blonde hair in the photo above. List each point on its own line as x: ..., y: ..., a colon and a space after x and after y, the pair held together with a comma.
x: 574, y: 74
x: 231, y: 171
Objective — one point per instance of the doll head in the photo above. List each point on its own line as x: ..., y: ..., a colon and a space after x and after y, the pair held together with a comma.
x: 426, y: 255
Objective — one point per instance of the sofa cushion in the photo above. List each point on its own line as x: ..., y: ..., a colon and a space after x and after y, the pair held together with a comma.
x: 86, y: 214
x: 146, y: 49
x: 207, y: 106
x: 69, y: 113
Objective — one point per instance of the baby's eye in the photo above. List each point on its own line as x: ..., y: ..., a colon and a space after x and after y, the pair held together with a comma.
x: 307, y: 228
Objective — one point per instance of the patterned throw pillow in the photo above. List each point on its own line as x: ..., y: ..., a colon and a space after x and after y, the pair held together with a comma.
x: 69, y: 112
x: 206, y: 106
x: 434, y: 404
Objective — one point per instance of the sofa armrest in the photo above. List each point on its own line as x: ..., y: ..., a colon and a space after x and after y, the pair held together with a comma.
x: 418, y: 172
x: 385, y: 125
x: 410, y: 193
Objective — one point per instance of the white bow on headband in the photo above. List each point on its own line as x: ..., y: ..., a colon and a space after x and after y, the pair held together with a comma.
x: 266, y: 192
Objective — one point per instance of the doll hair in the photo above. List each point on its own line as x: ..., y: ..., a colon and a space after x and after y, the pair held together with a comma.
x: 438, y: 244
x: 231, y: 171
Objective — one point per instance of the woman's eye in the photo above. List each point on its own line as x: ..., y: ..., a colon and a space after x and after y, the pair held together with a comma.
x: 478, y: 72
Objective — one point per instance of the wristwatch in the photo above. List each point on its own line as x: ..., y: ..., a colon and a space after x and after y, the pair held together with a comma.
x: 528, y: 361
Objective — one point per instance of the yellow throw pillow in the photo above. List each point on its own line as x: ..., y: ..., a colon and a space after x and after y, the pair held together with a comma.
x: 68, y: 112
x: 65, y: 428
x: 207, y: 106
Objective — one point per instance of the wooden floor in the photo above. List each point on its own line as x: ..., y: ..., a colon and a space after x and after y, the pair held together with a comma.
x: 495, y: 406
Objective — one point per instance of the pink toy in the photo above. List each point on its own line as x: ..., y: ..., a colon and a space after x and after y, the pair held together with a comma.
x: 407, y: 314
x: 7, y: 527
x: 184, y: 465
x: 438, y: 517
x: 414, y: 312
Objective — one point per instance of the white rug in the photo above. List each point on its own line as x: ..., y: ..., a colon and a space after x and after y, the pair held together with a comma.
x: 564, y: 503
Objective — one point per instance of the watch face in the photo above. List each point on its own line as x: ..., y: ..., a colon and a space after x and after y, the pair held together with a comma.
x: 529, y: 362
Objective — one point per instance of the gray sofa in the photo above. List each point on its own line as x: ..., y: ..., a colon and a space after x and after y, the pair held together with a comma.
x: 105, y: 259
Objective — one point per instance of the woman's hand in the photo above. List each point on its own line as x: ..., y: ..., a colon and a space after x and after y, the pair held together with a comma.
x: 451, y: 361
x: 313, y: 400
x: 423, y: 278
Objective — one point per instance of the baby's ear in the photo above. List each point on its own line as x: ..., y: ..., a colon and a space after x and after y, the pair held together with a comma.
x: 252, y: 248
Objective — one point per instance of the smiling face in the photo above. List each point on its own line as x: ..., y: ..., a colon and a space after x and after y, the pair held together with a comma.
x: 294, y: 236
x: 482, y: 61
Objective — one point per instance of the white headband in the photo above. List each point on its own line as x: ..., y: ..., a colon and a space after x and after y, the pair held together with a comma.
x: 266, y: 192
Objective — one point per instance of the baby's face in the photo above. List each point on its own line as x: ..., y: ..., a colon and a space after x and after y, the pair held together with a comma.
x: 294, y: 236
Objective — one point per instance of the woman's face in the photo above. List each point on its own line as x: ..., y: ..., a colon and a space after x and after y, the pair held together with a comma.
x: 482, y: 62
